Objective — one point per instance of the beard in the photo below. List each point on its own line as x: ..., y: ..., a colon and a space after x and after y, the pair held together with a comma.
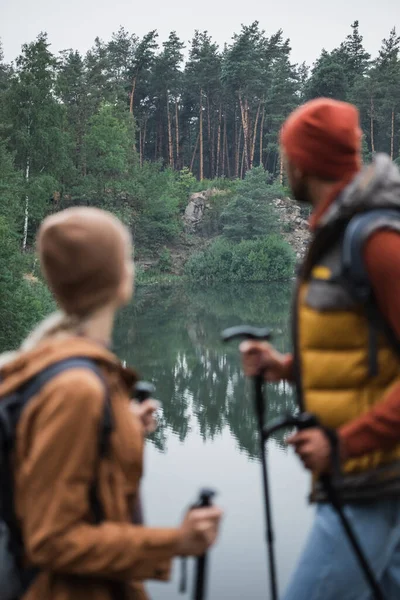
x: 301, y: 192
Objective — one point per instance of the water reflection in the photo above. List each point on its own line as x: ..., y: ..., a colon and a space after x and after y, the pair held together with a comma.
x: 172, y: 336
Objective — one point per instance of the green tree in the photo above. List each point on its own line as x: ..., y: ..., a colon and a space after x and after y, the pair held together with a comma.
x: 244, y: 73
x: 282, y: 96
x: 204, y: 105
x: 111, y: 159
x: 141, y: 96
x: 166, y: 86
x: 353, y: 56
x: 120, y: 53
x: 5, y: 79
x: 327, y: 79
x: 251, y: 213
x: 387, y: 74
x: 37, y: 134
x: 72, y: 90
x: 22, y: 303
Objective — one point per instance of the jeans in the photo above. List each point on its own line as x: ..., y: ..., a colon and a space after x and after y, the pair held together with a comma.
x: 328, y: 569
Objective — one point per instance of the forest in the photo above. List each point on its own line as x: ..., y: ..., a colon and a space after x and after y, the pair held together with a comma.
x: 135, y: 125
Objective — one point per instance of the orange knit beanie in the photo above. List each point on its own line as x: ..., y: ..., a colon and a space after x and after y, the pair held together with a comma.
x: 323, y: 138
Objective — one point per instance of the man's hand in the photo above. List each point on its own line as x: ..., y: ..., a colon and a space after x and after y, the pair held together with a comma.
x: 314, y: 449
x: 145, y: 411
x: 260, y: 358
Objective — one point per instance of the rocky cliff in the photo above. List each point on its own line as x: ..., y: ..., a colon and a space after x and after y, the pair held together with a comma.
x: 294, y: 225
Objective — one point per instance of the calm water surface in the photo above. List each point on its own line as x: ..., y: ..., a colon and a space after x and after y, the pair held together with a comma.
x: 207, y: 434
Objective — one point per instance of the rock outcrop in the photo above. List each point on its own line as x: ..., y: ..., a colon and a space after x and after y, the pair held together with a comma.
x: 294, y: 226
x: 197, y: 205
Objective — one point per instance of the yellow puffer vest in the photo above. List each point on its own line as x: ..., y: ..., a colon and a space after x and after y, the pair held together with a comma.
x: 332, y: 333
x: 333, y: 359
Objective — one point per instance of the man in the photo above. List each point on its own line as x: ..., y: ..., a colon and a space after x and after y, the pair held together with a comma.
x: 345, y: 372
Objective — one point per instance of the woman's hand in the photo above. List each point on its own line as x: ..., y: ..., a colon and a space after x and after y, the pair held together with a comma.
x: 199, y: 530
x: 146, y: 412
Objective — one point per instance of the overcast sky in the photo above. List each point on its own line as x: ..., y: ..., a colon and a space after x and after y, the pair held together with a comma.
x: 310, y: 24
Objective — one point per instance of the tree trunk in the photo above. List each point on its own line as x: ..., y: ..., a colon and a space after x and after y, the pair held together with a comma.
x: 262, y: 135
x: 26, y: 218
x: 177, y: 134
x: 244, y: 114
x: 237, y: 161
x: 266, y: 161
x: 247, y: 134
x: 253, y: 143
x: 392, y: 137
x: 218, y: 142
x: 194, y: 152
x: 210, y: 142
x: 144, y: 140
x: 243, y: 155
x: 226, y: 154
x: 140, y: 147
x: 372, y: 126
x: 224, y: 146
x: 170, y: 143
x: 235, y: 141
x: 83, y: 159
x: 201, y: 175
x: 132, y: 95
x: 275, y: 163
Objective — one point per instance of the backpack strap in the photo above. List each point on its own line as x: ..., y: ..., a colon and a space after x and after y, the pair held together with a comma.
x: 11, y: 408
x: 356, y: 279
x: 10, y: 411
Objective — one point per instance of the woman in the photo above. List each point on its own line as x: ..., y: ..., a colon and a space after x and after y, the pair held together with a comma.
x: 85, y: 255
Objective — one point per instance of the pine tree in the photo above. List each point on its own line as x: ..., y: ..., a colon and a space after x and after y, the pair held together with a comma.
x: 166, y: 86
x: 388, y: 92
x: 203, y: 102
x: 328, y: 78
x: 244, y: 73
x: 5, y: 79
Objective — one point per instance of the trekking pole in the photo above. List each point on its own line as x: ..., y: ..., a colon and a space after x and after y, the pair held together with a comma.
x: 205, y: 499
x: 306, y: 421
x: 253, y: 333
x: 143, y: 391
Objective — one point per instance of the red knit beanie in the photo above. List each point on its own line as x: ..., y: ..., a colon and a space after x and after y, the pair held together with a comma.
x: 82, y: 253
x: 323, y: 138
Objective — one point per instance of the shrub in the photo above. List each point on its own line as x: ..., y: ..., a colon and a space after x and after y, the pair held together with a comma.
x: 165, y: 261
x: 251, y: 213
x: 265, y: 259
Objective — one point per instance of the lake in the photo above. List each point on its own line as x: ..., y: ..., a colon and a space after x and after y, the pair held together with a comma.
x: 207, y: 434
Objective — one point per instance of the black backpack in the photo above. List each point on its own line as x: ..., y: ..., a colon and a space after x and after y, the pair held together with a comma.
x: 356, y: 280
x: 14, y: 579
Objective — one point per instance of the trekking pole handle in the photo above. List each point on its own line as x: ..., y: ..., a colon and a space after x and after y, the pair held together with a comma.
x: 143, y: 391
x: 205, y: 498
x: 302, y: 421
x: 247, y: 332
